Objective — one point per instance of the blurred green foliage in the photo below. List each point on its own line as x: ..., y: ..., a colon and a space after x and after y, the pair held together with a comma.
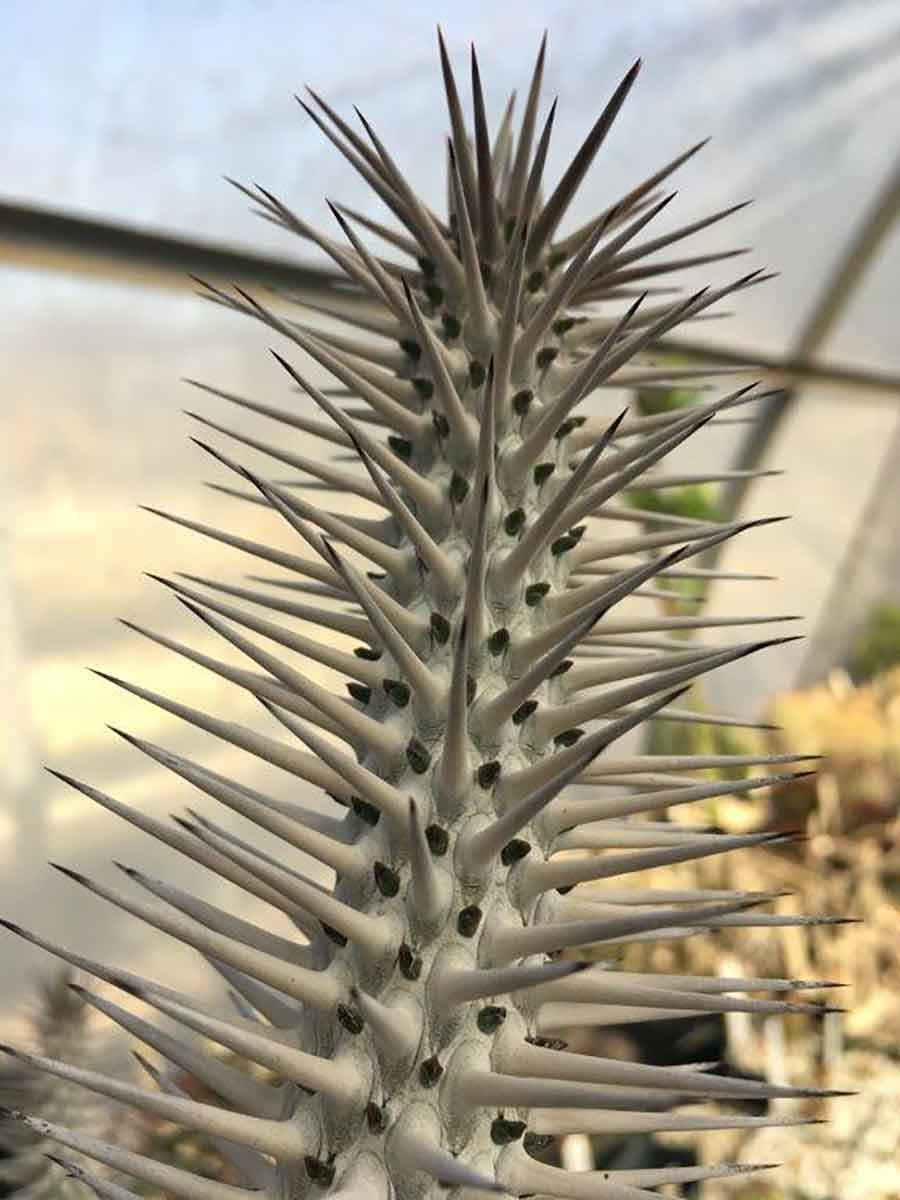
x: 694, y: 500
x: 650, y: 402
x: 878, y: 646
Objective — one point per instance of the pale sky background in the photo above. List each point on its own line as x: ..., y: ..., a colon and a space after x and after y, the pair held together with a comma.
x: 134, y: 111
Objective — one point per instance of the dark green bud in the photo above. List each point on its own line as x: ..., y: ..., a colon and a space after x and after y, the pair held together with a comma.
x: 513, y: 851
x: 568, y: 425
x: 365, y: 811
x: 350, y: 1019
x: 545, y: 356
x: 561, y: 668
x: 410, y: 965
x: 568, y: 737
x: 440, y: 628
x: 459, y: 488
x: 521, y: 402
x: 417, y: 756
x: 514, y: 522
x: 452, y: 327
x: 498, y: 641
x: 401, y: 447
x: 397, y: 691
x: 562, y: 544
x: 386, y: 879
x: 360, y: 691
x: 524, y: 711
x: 488, y: 774
x: 438, y: 840
x: 319, y: 1172
x: 542, y: 472
x: 468, y: 921
x: 430, y: 1072
x: 490, y: 1018
x: 503, y: 1131
x: 535, y: 592
x: 375, y: 1118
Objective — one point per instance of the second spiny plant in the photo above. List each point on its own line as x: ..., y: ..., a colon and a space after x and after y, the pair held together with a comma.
x: 410, y: 1011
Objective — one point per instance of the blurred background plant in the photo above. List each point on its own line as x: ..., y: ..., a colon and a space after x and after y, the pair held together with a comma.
x: 687, y: 502
x: 60, y: 1026
x: 847, y: 860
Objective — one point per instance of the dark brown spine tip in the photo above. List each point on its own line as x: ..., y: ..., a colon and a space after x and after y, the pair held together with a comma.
x: 129, y: 737
x: 125, y: 985
x: 67, y: 871
x: 60, y: 775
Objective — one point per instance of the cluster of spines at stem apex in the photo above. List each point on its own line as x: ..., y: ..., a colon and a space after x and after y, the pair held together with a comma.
x: 412, y: 1027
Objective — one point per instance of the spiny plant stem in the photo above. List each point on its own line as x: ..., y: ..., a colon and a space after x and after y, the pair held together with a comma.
x: 408, y: 1013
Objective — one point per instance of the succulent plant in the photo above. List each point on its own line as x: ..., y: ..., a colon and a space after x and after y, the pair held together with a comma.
x: 412, y: 1018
